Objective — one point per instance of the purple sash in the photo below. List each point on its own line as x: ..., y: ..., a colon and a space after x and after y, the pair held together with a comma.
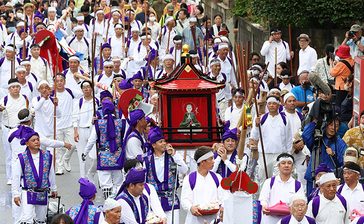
x: 143, y: 205
x: 360, y: 220
x: 164, y: 188
x: 297, y: 184
x: 193, y: 177
x: 221, y: 169
x: 316, y: 204
x: 286, y: 220
x: 36, y: 185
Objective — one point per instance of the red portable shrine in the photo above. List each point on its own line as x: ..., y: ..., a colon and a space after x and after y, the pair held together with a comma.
x: 188, y: 107
x: 358, y: 94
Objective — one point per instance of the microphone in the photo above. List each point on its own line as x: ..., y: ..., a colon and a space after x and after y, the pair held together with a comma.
x: 317, y: 82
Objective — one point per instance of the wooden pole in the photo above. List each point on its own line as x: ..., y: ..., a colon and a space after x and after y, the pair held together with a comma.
x: 290, y: 47
x: 93, y: 51
x: 275, y: 67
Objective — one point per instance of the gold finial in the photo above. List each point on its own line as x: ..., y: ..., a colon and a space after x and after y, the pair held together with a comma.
x: 185, y: 50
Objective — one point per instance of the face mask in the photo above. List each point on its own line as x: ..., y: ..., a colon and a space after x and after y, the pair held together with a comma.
x: 350, y: 159
x: 152, y: 19
x: 19, y: 15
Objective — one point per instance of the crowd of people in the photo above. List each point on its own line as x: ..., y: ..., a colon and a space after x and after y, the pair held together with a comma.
x: 64, y: 66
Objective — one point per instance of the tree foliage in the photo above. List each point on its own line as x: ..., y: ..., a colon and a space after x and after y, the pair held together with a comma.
x: 303, y: 13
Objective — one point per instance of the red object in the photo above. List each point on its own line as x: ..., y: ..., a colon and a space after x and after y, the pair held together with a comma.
x: 125, y: 99
x: 343, y: 51
x: 280, y: 209
x: 208, y: 212
x: 223, y: 33
x: 48, y: 43
x: 358, y: 95
x: 186, y: 87
x: 239, y: 181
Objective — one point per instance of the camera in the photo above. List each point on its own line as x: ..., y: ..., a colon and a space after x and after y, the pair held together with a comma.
x: 351, y: 34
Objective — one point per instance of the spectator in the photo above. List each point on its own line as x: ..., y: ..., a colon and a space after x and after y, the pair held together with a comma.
x: 304, y: 92
x: 323, y: 65
x: 307, y: 55
x: 353, y: 38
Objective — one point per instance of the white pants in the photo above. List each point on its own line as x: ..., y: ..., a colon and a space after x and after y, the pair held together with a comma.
x: 110, y: 179
x: 30, y: 212
x: 271, y: 161
x: 176, y: 216
x: 7, y: 152
x: 62, y: 154
x: 84, y: 134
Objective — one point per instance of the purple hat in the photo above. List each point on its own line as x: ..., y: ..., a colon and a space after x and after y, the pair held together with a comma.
x: 87, y: 192
x: 108, y: 109
x: 152, y: 54
x: 125, y: 84
x: 87, y: 188
x: 138, y: 75
x: 135, y: 116
x: 38, y: 15
x: 105, y: 45
x: 20, y: 133
x: 230, y: 134
x: 27, y: 136
x: 104, y: 94
x: 322, y: 168
x: 155, y: 134
x: 135, y: 175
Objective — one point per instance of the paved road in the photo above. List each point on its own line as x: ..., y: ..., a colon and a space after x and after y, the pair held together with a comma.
x: 67, y: 184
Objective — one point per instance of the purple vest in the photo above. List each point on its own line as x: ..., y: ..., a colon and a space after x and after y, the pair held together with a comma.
x: 164, y: 188
x: 360, y: 220
x: 286, y: 220
x: 144, y: 205
x: 37, y: 185
x: 93, y: 214
x: 106, y: 160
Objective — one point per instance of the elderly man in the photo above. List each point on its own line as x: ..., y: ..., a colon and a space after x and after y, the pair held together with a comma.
x: 355, y: 40
x: 87, y: 210
x: 298, y: 208
x: 328, y: 207
x: 352, y: 190
x: 279, y: 188
x: 112, y: 212
x: 307, y: 55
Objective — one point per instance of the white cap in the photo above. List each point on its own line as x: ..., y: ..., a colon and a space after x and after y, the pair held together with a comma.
x: 20, y: 69
x: 80, y: 18
x: 223, y: 46
x: 78, y: 28
x: 297, y: 196
x: 74, y: 57
x: 42, y: 83
x: 25, y: 62
x: 217, y: 40
x: 52, y: 9
x: 285, y: 98
x: 169, y: 19
x: 214, y: 62
x: 224, y: 39
x: 109, y: 204
x: 9, y: 48
x: 326, y: 178
x: 193, y: 20
x: 21, y: 23
x: 108, y: 63
x: 134, y: 29
x: 168, y: 56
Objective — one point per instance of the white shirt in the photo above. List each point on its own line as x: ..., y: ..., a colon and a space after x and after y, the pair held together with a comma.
x: 17, y: 173
x: 27, y: 91
x: 293, y: 220
x: 268, y: 51
x: 156, y: 29
x: 205, y: 192
x: 82, y: 45
x: 41, y: 69
x: 227, y: 68
x: 280, y: 191
x: 117, y: 46
x: 65, y: 104
x: 276, y: 135
x: 288, y: 87
x: 5, y: 74
x: 128, y: 216
x: 74, y: 85
x: 228, y: 164
x: 155, y: 204
x: 354, y: 198
x: 133, y: 148
x: 44, y: 115
x: 82, y: 117
x: 165, y: 43
x: 233, y: 115
x: 307, y: 59
x: 223, y: 93
x: 294, y: 122
x: 12, y: 108
x: 159, y: 165
x: 330, y: 211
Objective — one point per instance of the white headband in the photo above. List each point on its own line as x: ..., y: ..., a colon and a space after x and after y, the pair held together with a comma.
x: 214, y: 62
x: 20, y: 69
x: 118, y: 26
x: 194, y: 55
x: 223, y: 46
x: 108, y: 63
x: 42, y: 83
x: 285, y: 98
x: 99, y: 11
x: 78, y: 28
x: 285, y: 158
x: 272, y: 100
x: 205, y: 157
x: 345, y: 168
x: 13, y: 84
x: 26, y: 62
x: 82, y: 18
x: 168, y: 56
x: 327, y: 177
x: 145, y: 37
x: 20, y: 24
x: 109, y: 204
x: 9, y: 48
x: 178, y: 42
x: 74, y: 58
x: 28, y: 118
